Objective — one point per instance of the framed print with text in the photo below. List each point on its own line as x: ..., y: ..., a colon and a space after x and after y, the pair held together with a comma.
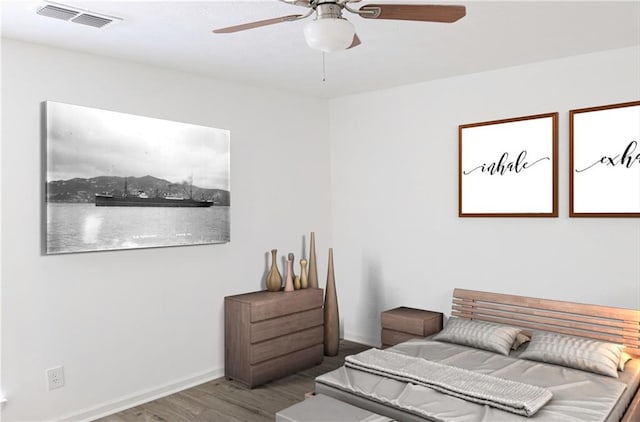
x: 604, y: 178
x: 508, y: 168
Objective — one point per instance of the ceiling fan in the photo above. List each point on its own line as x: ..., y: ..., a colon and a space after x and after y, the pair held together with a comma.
x: 329, y: 31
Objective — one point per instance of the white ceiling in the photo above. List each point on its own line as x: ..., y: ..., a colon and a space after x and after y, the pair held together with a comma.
x: 177, y: 34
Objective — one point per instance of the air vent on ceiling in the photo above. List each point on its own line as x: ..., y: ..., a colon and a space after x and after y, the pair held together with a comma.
x: 77, y: 15
x: 57, y: 12
x: 92, y: 20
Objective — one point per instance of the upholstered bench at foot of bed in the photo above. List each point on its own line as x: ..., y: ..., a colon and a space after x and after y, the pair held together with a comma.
x: 321, y: 408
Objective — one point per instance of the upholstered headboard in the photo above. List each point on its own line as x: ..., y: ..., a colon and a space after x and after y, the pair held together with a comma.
x: 615, y: 325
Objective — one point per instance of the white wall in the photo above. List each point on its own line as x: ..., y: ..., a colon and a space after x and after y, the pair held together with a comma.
x: 396, y: 232
x: 130, y: 324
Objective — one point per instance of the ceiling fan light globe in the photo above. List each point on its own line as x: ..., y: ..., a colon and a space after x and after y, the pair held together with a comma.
x: 329, y: 34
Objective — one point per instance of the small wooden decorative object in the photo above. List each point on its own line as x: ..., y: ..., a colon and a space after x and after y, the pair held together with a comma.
x: 274, y: 278
x: 304, y: 281
x: 296, y: 283
x: 331, y: 316
x: 313, y: 270
x: 288, y: 285
x: 293, y: 271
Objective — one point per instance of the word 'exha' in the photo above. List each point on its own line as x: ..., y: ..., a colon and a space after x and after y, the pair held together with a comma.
x: 626, y: 159
x: 503, y: 165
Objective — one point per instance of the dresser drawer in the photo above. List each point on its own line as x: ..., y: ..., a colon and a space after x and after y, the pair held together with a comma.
x: 287, y: 364
x: 283, y: 303
x: 286, y: 344
x: 270, y: 328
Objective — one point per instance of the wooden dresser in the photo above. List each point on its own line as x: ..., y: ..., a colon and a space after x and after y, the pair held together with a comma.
x: 268, y: 335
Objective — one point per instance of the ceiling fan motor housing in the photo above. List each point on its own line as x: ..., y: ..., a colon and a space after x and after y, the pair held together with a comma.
x: 329, y: 10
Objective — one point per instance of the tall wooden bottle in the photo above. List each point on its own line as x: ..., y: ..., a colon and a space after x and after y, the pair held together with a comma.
x: 304, y: 280
x: 313, y: 269
x: 288, y: 284
x: 331, y: 316
x: 274, y: 279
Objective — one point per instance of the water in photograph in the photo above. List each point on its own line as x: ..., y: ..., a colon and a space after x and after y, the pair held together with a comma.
x: 73, y: 227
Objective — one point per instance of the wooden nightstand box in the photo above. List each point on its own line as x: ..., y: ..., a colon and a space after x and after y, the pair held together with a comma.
x: 401, y: 324
x: 268, y: 335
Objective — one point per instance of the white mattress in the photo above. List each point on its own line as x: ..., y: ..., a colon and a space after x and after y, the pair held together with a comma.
x: 577, y: 395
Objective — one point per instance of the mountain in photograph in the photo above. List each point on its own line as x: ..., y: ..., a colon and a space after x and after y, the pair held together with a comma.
x: 85, y: 190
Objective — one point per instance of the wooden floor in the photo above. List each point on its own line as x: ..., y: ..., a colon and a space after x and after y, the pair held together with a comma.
x: 221, y: 400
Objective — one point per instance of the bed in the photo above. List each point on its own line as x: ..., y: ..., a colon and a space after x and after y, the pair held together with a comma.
x: 575, y: 393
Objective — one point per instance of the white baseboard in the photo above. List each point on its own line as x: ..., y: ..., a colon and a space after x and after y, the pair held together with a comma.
x: 140, y: 397
x: 144, y: 396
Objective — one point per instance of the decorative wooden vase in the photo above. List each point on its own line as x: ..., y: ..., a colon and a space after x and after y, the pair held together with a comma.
x: 304, y: 281
x: 274, y: 279
x: 331, y: 316
x: 313, y: 270
x: 293, y: 271
x: 288, y: 285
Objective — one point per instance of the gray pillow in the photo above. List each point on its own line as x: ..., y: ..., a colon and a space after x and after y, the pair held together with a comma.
x: 479, y: 334
x: 575, y: 352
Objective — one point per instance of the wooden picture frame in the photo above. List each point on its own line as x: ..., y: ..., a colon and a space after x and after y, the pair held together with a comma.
x: 604, y: 161
x: 509, y: 168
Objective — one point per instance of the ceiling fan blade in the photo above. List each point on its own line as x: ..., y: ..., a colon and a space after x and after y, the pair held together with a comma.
x: 304, y: 3
x: 356, y: 41
x: 257, y: 24
x: 413, y: 12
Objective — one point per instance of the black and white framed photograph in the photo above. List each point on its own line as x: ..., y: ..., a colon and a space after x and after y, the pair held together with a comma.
x: 604, y: 179
x: 122, y: 181
x: 508, y: 168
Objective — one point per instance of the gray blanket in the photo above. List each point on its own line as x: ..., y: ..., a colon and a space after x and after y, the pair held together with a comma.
x: 577, y: 395
x: 515, y: 397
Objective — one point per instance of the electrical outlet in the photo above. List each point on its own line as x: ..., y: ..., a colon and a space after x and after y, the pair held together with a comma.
x: 55, y: 377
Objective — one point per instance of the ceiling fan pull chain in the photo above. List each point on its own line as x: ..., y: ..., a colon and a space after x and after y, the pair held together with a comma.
x: 324, y: 69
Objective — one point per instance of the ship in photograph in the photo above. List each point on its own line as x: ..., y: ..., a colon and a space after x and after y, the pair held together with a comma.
x: 143, y: 200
